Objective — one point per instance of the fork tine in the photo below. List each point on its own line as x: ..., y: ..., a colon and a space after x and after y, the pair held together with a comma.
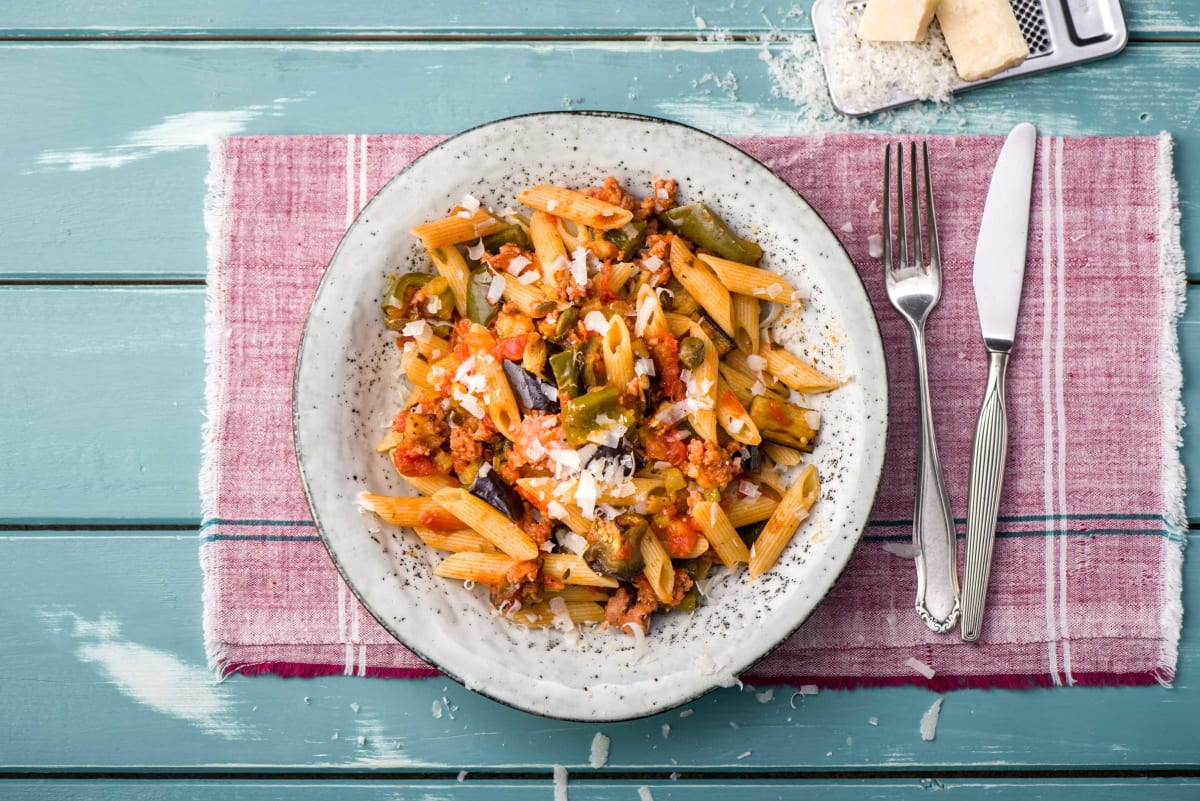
x: 887, y: 207
x: 916, y: 210
x: 935, y: 253
x: 901, y: 231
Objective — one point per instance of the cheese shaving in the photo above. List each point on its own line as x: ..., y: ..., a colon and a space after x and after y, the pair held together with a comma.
x: 470, y: 202
x: 599, y: 755
x: 528, y: 277
x: 756, y: 363
x: 875, y: 245
x: 652, y: 263
x: 516, y: 264
x: 475, y: 252
x: 645, y: 312
x: 496, y: 290
x: 734, y: 425
x: 644, y: 367
x: 418, y: 330
x: 919, y: 666
x: 586, y: 495
x: 929, y: 721
x: 579, y: 262
x: 596, y: 321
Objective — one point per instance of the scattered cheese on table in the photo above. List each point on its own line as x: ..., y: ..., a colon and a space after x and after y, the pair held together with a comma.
x: 896, y: 20
x: 983, y: 35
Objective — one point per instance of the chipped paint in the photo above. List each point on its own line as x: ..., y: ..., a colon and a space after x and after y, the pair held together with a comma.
x: 176, y: 132
x: 151, y: 677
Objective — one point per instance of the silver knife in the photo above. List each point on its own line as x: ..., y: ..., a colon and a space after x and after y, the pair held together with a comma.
x: 999, y: 271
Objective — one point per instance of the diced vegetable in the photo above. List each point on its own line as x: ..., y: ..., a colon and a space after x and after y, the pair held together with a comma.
x: 565, y: 367
x: 691, y: 352
x: 785, y: 423
x: 679, y: 300
x: 479, y: 309
x: 512, y: 235
x: 531, y: 392
x: 751, y: 456
x: 593, y: 363
x: 489, y: 487
x: 615, y: 546
x: 397, y: 304
x: 579, y: 416
x: 566, y: 321
x: 628, y: 238
x: 700, y: 224
x: 721, y: 340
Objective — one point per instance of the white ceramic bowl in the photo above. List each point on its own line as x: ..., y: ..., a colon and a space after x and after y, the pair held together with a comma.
x: 347, y: 385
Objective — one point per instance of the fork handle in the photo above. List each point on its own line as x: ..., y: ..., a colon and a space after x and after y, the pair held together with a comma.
x: 987, y: 477
x: 933, y: 523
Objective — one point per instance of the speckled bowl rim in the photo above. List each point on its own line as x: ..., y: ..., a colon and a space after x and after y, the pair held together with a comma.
x: 875, y: 480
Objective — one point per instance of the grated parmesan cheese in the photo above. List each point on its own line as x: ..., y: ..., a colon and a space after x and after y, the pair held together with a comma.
x: 586, y: 495
x: 528, y: 277
x: 919, y: 666
x: 929, y: 721
x: 579, y: 263
x: 496, y: 289
x: 476, y: 251
x: 418, y: 330
x: 652, y: 263
x: 644, y: 367
x: 599, y: 756
x: 470, y: 202
x: 875, y: 245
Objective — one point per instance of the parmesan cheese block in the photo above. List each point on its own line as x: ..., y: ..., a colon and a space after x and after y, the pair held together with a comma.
x: 983, y: 36
x: 896, y: 20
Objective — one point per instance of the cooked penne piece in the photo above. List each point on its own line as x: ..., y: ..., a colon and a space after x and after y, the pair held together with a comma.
x: 415, y: 368
x: 501, y: 403
x: 744, y: 387
x: 620, y: 274
x: 574, y: 235
x: 677, y: 324
x: 575, y: 206
x: 703, y: 284
x: 795, y: 372
x: 701, y: 548
x: 733, y: 417
x: 390, y: 440
x: 745, y: 323
x: 484, y: 568
x: 571, y: 569
x: 793, y: 508
x: 720, y: 533
x: 756, y: 372
x: 528, y: 299
x: 658, y: 570
x: 744, y: 511
x: 547, y: 244
x: 411, y: 512
x: 753, y: 282
x: 453, y: 267
x: 651, y: 323
x: 704, y: 380
x: 456, y: 541
x: 434, y: 348
x: 542, y: 615
x: 781, y: 454
x: 489, y: 522
x: 578, y: 592
x: 617, y: 350
x: 462, y: 227
x: 429, y: 485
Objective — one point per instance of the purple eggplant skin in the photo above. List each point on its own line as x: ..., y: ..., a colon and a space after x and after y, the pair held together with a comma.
x: 489, y: 487
x: 527, y: 387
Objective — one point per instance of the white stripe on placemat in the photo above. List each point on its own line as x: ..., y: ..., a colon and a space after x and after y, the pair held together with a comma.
x: 1047, y: 410
x: 342, y: 590
x: 1060, y: 404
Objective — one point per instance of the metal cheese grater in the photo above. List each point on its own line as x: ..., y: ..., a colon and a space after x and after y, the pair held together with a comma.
x: 1059, y: 33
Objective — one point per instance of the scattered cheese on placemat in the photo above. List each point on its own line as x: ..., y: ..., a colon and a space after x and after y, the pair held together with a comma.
x: 896, y: 20
x: 983, y: 36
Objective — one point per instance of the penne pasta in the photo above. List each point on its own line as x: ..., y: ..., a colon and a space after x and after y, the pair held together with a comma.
x: 619, y: 275
x: 781, y: 454
x: 736, y: 360
x: 617, y: 350
x: 744, y: 511
x: 542, y: 615
x: 658, y: 570
x: 703, y: 416
x: 501, y: 403
x: 720, y: 533
x: 651, y: 323
x: 703, y: 284
x: 461, y: 227
x: 793, y: 508
x: 571, y: 569
x: 484, y: 568
x: 528, y: 299
x: 753, y: 282
x: 411, y: 512
x: 429, y: 485
x: 453, y: 267
x: 434, y: 348
x: 489, y: 522
x: 795, y: 372
x: 579, y: 592
x: 745, y: 323
x: 456, y: 541
x: 573, y: 234
x: 576, y: 206
x: 547, y: 244
x: 415, y: 368
x: 677, y: 324
x: 701, y: 548
x: 733, y: 417
x: 390, y: 440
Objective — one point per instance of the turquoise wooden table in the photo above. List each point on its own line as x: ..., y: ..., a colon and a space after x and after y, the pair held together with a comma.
x: 107, y: 111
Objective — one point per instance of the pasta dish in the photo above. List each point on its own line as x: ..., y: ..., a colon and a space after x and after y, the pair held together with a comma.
x: 597, y: 416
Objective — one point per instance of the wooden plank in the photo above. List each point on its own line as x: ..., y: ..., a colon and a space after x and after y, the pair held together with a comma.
x: 106, y: 427
x: 103, y: 397
x: 149, y: 19
x: 122, y: 194
x: 104, y: 669
x: 600, y: 790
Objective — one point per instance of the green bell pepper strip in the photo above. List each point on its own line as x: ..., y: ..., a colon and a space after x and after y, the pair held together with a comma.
x: 512, y: 235
x: 700, y: 225
x: 628, y: 238
x: 579, y: 415
x: 565, y: 367
x: 479, y: 309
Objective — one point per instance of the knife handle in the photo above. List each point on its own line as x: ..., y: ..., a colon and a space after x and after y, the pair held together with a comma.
x: 983, y: 507
x: 934, y: 536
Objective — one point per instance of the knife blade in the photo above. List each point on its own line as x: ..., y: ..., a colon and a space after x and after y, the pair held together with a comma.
x: 999, y: 273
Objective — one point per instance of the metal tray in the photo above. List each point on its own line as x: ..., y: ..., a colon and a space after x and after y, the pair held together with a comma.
x: 1059, y: 33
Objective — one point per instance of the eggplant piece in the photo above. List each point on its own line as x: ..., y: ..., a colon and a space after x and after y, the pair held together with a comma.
x: 720, y: 339
x: 531, y: 391
x: 749, y: 534
x: 624, y: 455
x: 751, y: 456
x: 615, y: 547
x: 489, y: 487
x: 785, y: 423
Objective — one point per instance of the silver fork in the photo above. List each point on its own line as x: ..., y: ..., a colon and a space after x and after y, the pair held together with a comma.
x: 914, y: 288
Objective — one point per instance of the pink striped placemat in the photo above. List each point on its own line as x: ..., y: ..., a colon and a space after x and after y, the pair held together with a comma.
x: 1087, y: 574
